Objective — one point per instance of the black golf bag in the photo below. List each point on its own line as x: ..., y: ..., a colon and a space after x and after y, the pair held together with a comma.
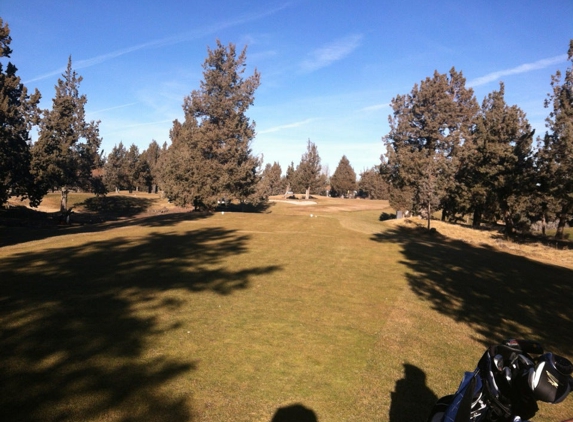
x: 507, y: 383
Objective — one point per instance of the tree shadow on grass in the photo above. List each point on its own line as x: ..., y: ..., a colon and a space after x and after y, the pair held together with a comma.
x: 27, y: 231
x: 74, y: 337
x: 498, y: 294
x: 124, y: 206
x: 21, y: 224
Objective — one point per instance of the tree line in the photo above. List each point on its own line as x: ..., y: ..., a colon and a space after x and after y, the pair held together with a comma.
x: 149, y: 171
x: 446, y: 152
x: 209, y: 157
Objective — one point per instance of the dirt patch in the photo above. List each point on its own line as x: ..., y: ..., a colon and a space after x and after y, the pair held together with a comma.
x: 494, y: 238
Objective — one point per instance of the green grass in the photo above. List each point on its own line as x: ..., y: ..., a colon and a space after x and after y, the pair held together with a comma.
x: 229, y: 317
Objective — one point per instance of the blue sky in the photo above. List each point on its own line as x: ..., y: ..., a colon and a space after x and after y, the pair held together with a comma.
x: 329, y: 69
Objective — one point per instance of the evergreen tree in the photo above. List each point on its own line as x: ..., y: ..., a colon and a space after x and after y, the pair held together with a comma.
x: 133, y: 168
x: 308, y: 171
x: 17, y: 113
x: 149, y: 172
x: 343, y: 181
x: 115, y: 177
x: 555, y: 154
x: 215, y: 136
x: 290, y: 180
x: 372, y: 185
x: 177, y: 174
x: 66, y: 152
x: 271, y: 183
x: 496, y: 162
x: 427, y: 128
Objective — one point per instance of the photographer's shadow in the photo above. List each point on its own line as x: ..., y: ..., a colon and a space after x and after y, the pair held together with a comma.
x: 294, y: 413
x: 411, y: 399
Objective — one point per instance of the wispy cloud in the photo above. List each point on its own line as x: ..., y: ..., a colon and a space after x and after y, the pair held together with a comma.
x: 124, y: 128
x: 374, y: 107
x: 175, y: 39
x: 287, y: 126
x: 331, y: 53
x: 524, y: 68
x: 113, y: 108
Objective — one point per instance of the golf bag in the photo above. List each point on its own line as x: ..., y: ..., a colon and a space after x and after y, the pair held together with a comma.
x: 507, y: 383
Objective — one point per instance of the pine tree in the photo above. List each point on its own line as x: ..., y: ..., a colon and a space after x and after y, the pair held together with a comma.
x: 17, y: 113
x: 270, y: 183
x: 114, y: 169
x: 290, y: 180
x: 427, y: 129
x: 343, y: 181
x: 496, y: 161
x: 215, y: 136
x: 149, y: 173
x: 555, y: 154
x: 400, y: 195
x: 372, y: 185
x: 133, y: 167
x: 66, y: 152
x: 308, y: 171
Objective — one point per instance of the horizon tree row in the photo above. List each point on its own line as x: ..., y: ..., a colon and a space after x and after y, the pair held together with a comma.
x: 128, y: 169
x: 445, y: 152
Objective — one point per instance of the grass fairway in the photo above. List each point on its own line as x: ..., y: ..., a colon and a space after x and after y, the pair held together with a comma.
x: 153, y: 316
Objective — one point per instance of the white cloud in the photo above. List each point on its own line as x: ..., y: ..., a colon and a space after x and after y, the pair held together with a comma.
x: 524, y: 68
x: 331, y: 53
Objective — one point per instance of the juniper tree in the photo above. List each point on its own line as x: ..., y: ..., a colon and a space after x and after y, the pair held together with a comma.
x: 271, y: 183
x: 17, y: 114
x: 343, y: 181
x: 372, y: 184
x: 67, y: 149
x: 114, y: 169
x: 555, y: 154
x: 149, y: 172
x: 215, y: 137
x: 427, y: 128
x: 496, y: 163
x: 133, y: 167
x: 289, y: 180
x: 400, y: 194
x: 308, y: 170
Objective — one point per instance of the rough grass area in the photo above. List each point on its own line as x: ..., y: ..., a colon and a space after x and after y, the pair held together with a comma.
x: 161, y: 314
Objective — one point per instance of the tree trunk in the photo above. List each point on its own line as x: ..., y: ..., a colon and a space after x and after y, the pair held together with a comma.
x: 429, y: 215
x: 561, y: 225
x: 508, y: 222
x: 476, y: 223
x: 307, y: 196
x: 543, y: 224
x: 287, y: 190
x: 64, y: 200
